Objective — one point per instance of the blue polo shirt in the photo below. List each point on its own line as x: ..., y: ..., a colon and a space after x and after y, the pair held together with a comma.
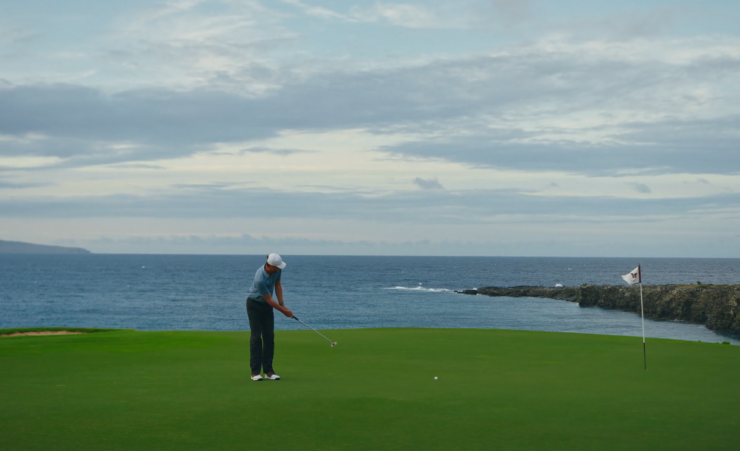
x: 263, y: 284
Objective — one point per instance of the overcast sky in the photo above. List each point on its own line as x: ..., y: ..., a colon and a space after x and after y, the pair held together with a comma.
x: 468, y: 127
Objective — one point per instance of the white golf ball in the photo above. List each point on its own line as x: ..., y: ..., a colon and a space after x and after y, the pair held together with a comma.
x: 435, y: 378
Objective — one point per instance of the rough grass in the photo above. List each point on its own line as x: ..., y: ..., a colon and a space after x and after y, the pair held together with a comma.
x: 497, y: 389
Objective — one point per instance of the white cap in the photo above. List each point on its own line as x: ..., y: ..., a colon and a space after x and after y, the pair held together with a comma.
x: 276, y: 260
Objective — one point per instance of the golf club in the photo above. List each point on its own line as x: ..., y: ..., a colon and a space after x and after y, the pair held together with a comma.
x: 332, y: 343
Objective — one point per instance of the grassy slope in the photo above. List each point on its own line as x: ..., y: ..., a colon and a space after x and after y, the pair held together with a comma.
x: 375, y: 390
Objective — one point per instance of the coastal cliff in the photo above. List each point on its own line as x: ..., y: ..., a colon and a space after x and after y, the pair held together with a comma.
x: 715, y: 306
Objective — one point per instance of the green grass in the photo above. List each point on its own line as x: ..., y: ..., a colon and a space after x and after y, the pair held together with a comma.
x: 497, y: 390
x: 87, y: 330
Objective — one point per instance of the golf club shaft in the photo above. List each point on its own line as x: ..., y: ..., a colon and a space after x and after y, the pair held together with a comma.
x: 312, y: 329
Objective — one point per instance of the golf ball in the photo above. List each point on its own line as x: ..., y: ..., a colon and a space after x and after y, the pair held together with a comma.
x: 435, y: 378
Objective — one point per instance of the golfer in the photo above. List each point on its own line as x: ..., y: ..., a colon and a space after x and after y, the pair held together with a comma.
x: 260, y: 304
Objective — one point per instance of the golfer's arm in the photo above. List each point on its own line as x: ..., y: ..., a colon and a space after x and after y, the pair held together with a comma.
x: 272, y: 302
x: 279, y: 292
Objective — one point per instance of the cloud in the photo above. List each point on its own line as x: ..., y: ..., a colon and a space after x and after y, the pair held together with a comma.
x: 216, y: 241
x: 16, y: 36
x: 203, y: 186
x: 660, y: 147
x: 136, y: 166
x: 627, y: 24
x: 260, y: 245
x: 190, y: 44
x: 512, y: 10
x: 428, y: 184
x: 402, y: 15
x: 397, y: 14
x: 316, y: 11
x: 642, y: 188
x: 14, y: 185
x: 193, y: 201
x: 280, y: 152
x: 592, y: 108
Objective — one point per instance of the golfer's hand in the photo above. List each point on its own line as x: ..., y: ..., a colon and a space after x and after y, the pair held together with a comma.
x: 287, y: 312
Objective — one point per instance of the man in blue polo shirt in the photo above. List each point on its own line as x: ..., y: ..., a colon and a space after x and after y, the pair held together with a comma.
x: 260, y: 305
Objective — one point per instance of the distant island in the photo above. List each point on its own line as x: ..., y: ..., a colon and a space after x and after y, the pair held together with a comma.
x: 16, y: 247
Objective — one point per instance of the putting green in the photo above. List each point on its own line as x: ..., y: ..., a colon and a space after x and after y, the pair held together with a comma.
x: 497, y: 389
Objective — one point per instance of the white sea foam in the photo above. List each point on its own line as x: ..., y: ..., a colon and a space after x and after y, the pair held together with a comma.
x: 420, y: 288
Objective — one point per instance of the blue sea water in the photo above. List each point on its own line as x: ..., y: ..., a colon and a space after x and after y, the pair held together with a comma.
x: 178, y: 292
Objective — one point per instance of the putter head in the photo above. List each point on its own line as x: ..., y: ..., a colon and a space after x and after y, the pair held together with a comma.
x: 333, y: 344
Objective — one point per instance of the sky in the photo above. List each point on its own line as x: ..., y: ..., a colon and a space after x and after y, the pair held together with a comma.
x: 467, y: 127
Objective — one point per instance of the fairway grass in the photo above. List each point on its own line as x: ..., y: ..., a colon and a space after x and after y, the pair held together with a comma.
x: 41, y: 330
x: 497, y: 390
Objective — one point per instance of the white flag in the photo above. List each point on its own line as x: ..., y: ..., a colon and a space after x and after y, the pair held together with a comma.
x: 633, y: 277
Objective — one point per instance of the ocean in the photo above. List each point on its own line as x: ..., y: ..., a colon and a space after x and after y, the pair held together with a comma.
x: 200, y: 292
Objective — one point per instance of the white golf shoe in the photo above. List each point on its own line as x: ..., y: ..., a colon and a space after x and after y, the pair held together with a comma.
x: 274, y: 377
x: 256, y: 377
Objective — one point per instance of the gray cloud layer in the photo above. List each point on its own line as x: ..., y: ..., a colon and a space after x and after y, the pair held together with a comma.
x: 519, y: 92
x: 428, y: 206
x: 670, y: 146
x: 428, y: 183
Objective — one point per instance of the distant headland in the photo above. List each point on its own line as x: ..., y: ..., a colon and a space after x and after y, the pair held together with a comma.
x: 715, y: 306
x: 16, y: 247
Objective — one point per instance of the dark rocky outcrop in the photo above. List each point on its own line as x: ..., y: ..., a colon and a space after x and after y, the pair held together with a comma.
x: 715, y: 306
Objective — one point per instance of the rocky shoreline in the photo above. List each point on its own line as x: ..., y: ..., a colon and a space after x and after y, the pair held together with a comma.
x: 715, y: 306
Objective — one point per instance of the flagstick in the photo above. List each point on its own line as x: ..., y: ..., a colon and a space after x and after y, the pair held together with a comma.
x: 642, y: 312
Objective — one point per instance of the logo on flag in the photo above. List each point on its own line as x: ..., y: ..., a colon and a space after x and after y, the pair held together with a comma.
x: 633, y: 277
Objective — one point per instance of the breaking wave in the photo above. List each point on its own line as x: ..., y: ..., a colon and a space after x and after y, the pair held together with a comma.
x: 420, y: 288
